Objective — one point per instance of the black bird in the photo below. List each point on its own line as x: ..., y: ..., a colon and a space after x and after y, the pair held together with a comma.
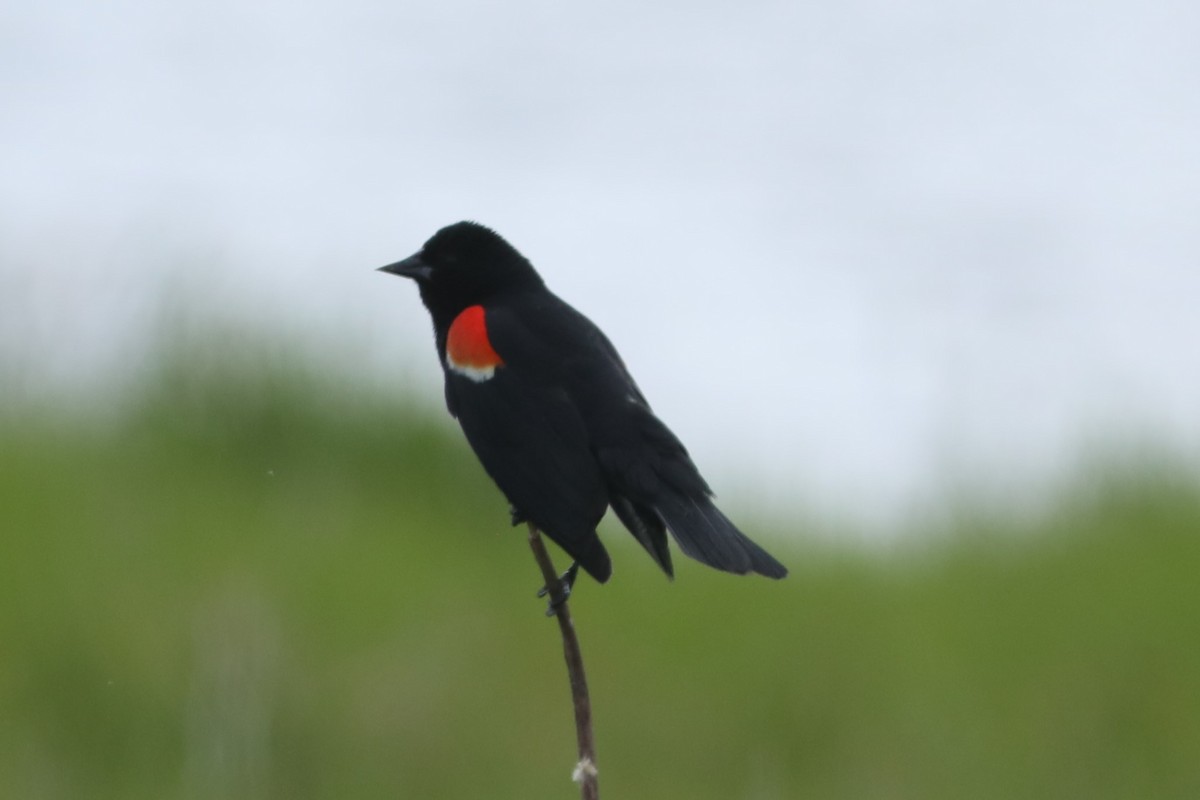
x: 558, y: 422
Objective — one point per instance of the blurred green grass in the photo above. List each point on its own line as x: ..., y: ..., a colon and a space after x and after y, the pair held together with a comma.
x: 255, y: 583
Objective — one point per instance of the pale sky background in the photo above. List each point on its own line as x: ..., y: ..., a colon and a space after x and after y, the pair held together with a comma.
x: 857, y: 254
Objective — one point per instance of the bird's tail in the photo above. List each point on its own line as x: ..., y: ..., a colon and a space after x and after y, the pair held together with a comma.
x: 707, y: 535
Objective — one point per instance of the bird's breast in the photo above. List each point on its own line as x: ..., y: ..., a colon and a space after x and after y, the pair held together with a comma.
x: 469, y: 351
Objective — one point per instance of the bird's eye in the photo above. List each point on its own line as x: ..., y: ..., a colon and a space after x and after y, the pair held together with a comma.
x: 441, y: 258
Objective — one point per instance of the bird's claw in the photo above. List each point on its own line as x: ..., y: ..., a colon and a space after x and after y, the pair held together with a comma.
x: 566, y: 583
x: 516, y: 516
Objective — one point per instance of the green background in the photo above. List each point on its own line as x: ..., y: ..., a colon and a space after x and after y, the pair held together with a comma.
x: 253, y: 582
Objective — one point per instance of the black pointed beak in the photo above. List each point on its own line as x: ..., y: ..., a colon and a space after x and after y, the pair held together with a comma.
x: 412, y: 267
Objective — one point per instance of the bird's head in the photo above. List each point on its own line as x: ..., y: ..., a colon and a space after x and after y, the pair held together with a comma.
x: 465, y: 264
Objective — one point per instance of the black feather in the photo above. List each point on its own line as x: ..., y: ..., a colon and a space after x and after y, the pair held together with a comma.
x: 647, y: 527
x: 707, y: 535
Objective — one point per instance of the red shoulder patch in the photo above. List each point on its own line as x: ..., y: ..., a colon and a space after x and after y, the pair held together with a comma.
x: 467, y: 343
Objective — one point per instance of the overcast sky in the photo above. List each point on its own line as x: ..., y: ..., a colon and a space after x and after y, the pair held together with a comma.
x: 855, y: 253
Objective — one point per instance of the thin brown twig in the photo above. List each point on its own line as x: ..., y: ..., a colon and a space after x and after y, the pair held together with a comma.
x: 585, y: 770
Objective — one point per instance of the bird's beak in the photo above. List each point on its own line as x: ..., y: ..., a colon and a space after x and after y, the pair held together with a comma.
x: 412, y: 267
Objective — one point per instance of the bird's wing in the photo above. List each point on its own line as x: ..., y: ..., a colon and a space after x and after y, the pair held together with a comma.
x: 651, y: 480
x: 545, y: 340
x: 533, y: 442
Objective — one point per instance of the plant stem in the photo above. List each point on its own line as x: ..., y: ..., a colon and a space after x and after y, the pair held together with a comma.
x: 585, y: 770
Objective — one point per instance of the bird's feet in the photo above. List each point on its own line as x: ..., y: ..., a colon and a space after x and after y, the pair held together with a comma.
x: 566, y: 583
x: 515, y: 515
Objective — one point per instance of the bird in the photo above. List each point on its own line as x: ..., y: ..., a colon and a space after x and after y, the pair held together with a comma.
x: 555, y: 417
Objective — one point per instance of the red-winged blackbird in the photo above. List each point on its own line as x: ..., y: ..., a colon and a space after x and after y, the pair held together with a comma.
x: 554, y: 415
